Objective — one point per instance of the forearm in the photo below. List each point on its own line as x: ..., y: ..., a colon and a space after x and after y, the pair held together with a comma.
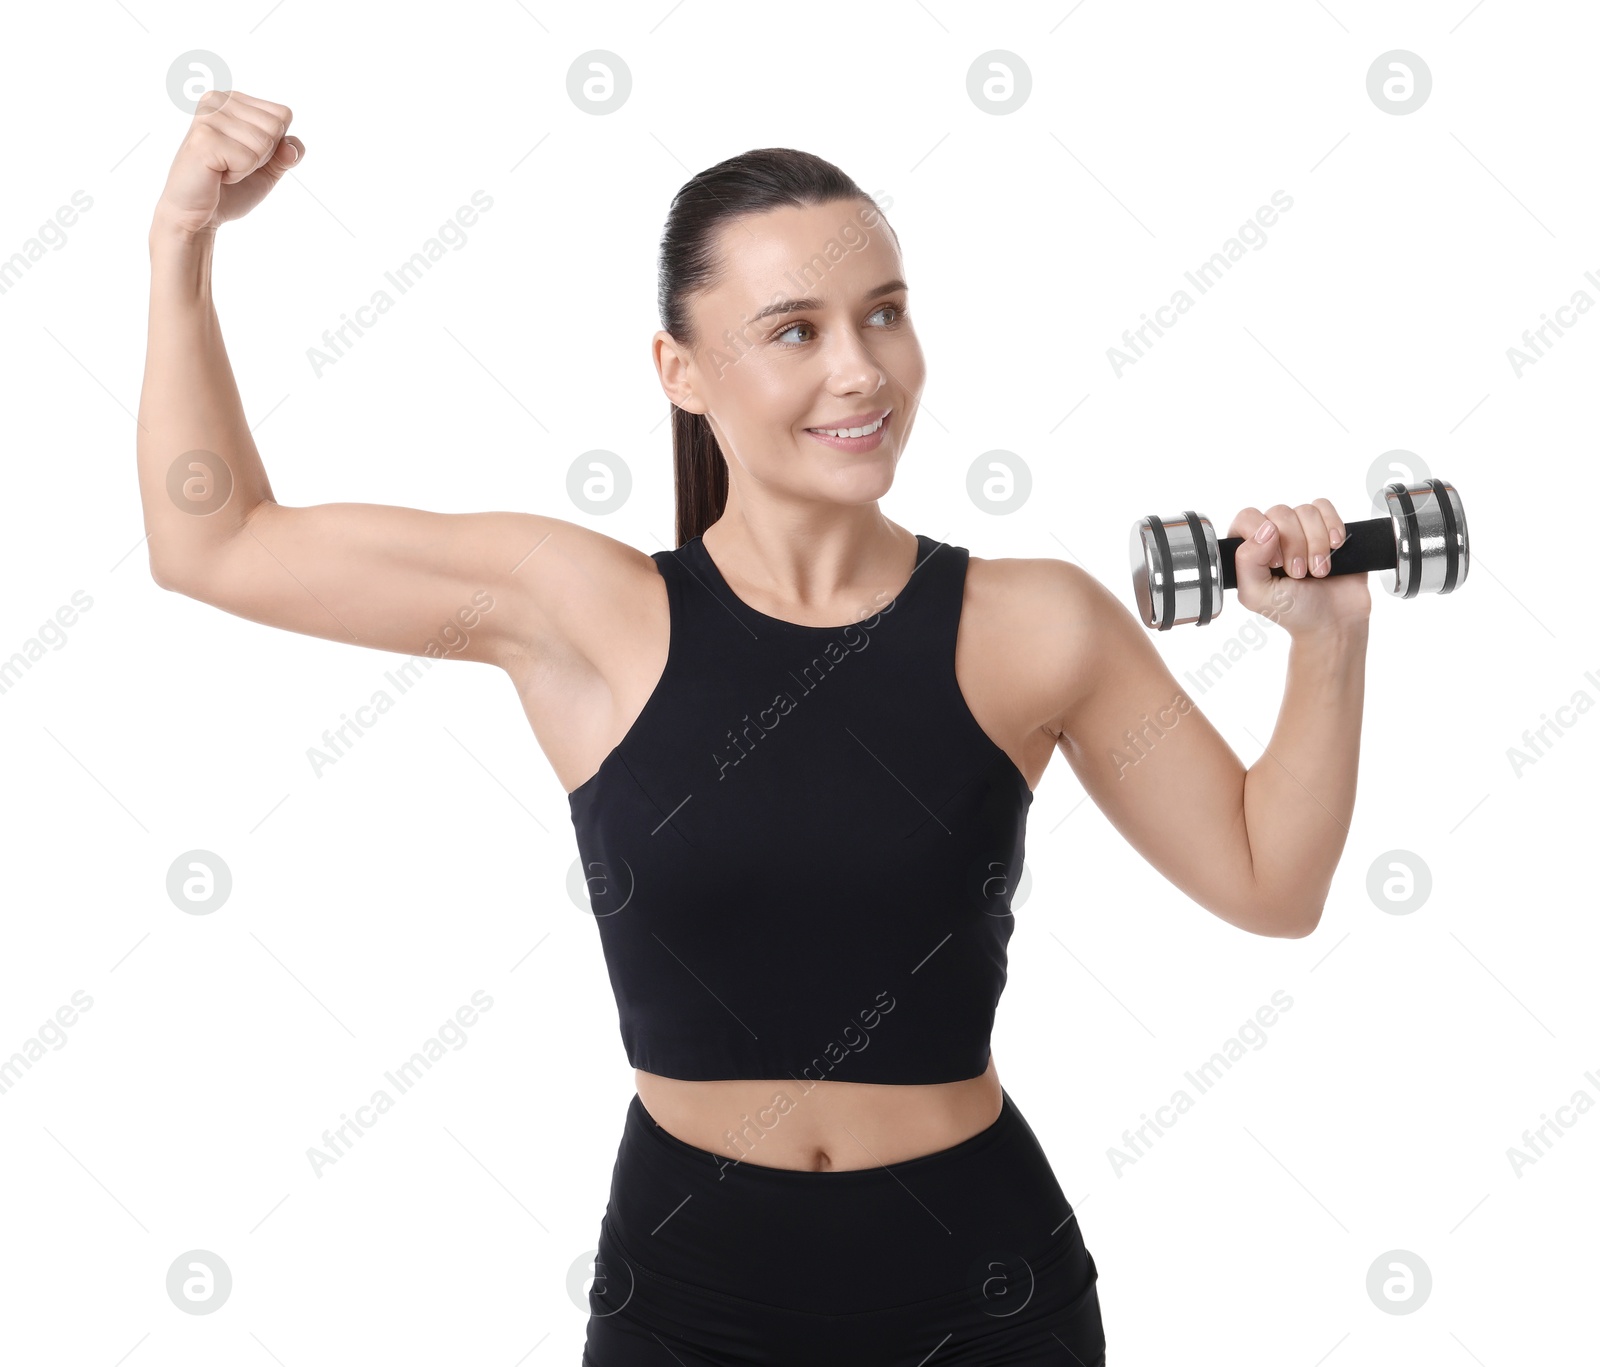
x: 190, y: 403
x: 1298, y: 796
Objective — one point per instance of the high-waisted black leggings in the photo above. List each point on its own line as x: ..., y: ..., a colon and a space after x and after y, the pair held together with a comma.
x: 967, y: 1257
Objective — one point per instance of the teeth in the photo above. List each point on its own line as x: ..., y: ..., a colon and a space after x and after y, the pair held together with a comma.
x: 850, y: 431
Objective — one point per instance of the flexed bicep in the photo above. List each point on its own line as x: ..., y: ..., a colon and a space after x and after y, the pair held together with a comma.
x: 484, y: 586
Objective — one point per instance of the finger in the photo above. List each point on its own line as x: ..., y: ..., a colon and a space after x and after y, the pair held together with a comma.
x: 1315, y: 531
x: 1336, y: 527
x: 238, y: 101
x: 275, y: 119
x: 210, y: 101
x: 1291, y: 538
x: 1245, y: 524
x: 235, y: 148
x: 258, y: 115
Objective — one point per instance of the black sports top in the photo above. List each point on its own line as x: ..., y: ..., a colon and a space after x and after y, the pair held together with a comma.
x: 801, y: 855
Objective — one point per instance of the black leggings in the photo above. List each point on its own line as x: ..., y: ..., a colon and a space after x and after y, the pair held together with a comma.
x: 965, y: 1257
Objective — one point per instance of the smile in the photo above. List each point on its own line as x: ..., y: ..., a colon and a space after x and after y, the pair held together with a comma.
x: 851, y: 433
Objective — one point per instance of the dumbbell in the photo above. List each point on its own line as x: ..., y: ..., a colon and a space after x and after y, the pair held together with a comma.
x: 1180, y: 567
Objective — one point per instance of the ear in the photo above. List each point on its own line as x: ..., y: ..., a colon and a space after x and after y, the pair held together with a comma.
x: 674, y: 366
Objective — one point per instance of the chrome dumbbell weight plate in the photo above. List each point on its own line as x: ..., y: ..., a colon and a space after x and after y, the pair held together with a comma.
x: 1429, y: 528
x: 1177, y: 570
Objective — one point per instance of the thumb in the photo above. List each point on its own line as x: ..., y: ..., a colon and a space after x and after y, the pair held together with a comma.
x: 287, y: 155
x: 242, y: 197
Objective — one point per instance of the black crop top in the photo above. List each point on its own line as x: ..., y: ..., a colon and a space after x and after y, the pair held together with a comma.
x: 801, y: 855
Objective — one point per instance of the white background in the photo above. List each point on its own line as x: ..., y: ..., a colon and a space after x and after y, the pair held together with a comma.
x: 369, y: 903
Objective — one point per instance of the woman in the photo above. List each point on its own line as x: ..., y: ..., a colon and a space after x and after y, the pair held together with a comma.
x: 799, y: 751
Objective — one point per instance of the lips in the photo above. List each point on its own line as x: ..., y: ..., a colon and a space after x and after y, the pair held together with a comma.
x: 855, y: 446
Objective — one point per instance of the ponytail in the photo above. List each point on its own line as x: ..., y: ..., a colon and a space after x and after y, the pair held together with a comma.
x: 700, y: 474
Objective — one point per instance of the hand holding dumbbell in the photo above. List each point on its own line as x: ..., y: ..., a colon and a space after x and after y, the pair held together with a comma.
x: 1180, y: 567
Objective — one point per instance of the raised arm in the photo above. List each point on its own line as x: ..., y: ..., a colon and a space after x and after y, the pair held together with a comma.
x: 1258, y: 846
x: 481, y: 586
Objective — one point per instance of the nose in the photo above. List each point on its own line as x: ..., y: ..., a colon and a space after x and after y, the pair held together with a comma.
x: 852, y: 368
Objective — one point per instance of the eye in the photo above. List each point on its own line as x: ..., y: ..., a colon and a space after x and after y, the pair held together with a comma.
x: 897, y: 309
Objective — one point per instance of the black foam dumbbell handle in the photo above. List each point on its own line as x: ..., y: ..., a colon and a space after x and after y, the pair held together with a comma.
x: 1367, y: 546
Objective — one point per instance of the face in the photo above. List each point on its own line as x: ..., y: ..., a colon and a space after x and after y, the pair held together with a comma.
x: 801, y: 333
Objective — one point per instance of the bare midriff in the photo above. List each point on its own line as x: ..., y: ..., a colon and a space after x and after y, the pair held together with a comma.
x: 820, y: 1126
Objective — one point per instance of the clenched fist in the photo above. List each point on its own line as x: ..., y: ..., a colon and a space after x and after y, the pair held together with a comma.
x: 1299, y: 539
x: 234, y: 152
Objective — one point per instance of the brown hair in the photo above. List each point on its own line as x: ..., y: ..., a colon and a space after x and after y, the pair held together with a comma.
x: 752, y: 182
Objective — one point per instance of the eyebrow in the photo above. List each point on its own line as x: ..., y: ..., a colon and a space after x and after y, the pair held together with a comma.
x: 800, y: 305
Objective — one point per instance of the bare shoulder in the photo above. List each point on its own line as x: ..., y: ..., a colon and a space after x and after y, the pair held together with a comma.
x: 1047, y: 624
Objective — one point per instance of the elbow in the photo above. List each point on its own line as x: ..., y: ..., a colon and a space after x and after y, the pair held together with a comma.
x: 190, y: 566
x: 185, y: 578
x: 1299, y: 924
x: 167, y: 577
x: 1280, y: 922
